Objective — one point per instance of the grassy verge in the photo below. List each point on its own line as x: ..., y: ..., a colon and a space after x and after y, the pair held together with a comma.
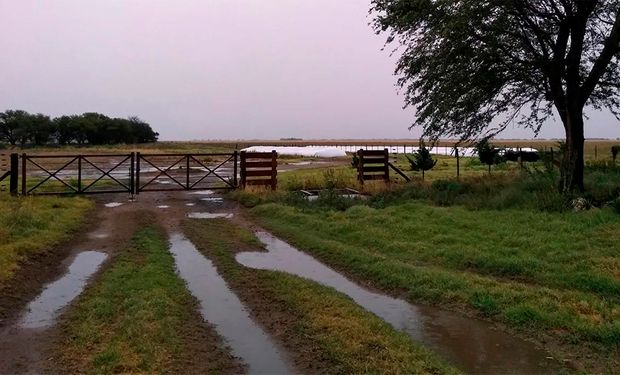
x: 139, y: 318
x: 335, y: 332
x: 552, y: 273
x: 32, y: 225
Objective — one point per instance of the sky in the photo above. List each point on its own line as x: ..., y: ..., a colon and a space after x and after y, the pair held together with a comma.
x: 215, y: 69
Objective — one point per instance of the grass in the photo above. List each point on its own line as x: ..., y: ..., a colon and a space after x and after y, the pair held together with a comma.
x: 536, y: 272
x: 32, y: 225
x: 134, y: 319
x: 348, y: 339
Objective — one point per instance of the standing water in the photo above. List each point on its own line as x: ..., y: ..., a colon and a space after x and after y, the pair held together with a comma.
x: 43, y: 310
x: 221, y: 307
x: 470, y: 344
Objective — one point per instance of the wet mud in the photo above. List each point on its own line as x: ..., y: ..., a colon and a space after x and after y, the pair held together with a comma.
x: 220, y: 306
x: 472, y: 345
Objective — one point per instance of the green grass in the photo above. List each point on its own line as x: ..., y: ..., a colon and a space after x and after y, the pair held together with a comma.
x: 349, y: 339
x: 555, y: 273
x: 134, y: 318
x: 33, y: 225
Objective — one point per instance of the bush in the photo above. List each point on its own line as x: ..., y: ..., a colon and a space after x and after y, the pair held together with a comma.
x: 614, y: 152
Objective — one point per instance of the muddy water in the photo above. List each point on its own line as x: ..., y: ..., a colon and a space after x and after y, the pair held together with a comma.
x: 221, y: 307
x: 472, y: 345
x: 209, y: 215
x: 42, y: 312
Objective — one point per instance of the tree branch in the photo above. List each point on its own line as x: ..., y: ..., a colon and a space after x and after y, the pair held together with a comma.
x: 611, y: 48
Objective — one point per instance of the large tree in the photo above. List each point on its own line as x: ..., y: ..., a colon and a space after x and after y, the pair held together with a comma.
x: 473, y: 67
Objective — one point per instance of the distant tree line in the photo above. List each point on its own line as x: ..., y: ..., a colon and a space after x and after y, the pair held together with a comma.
x: 22, y: 128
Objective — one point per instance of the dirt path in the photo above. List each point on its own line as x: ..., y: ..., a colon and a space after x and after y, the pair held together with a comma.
x: 26, y: 347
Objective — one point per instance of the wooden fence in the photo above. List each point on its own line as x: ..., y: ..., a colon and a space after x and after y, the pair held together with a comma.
x: 259, y: 168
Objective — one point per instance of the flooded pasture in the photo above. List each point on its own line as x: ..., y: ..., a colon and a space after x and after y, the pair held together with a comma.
x: 472, y: 345
x: 222, y: 308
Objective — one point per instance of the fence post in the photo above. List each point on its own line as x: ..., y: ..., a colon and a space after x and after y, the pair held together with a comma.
x: 79, y: 173
x: 458, y: 164
x: 242, y: 173
x: 360, y: 163
x: 187, y: 172
x: 24, y: 189
x: 14, y: 174
x: 387, y: 164
x: 132, y: 174
x: 137, y: 185
x: 236, y: 154
x: 595, y: 152
x: 274, y: 170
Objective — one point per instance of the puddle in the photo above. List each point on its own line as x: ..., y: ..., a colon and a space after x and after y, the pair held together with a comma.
x: 209, y: 215
x: 212, y: 199
x: 203, y: 192
x: 43, y: 310
x: 472, y: 345
x: 98, y: 236
x: 113, y: 204
x: 190, y: 204
x: 163, y: 206
x: 221, y: 307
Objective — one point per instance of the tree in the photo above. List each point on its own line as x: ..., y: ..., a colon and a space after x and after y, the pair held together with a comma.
x: 488, y: 154
x: 13, y: 125
x: 422, y: 160
x: 614, y: 152
x: 466, y: 63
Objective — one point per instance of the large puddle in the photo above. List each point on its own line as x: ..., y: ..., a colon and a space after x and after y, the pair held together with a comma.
x: 42, y: 311
x: 472, y: 345
x: 221, y: 307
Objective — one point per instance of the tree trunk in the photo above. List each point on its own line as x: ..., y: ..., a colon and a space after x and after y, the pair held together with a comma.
x: 422, y: 174
x: 572, y: 160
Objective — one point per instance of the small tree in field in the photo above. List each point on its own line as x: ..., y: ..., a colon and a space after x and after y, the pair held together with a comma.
x: 422, y: 160
x: 614, y: 152
x: 488, y: 153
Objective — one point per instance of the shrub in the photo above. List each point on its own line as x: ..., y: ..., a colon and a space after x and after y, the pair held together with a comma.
x: 614, y: 152
x: 422, y: 160
x: 488, y: 154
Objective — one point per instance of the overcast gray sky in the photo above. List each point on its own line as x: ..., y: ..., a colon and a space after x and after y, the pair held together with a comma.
x: 213, y: 69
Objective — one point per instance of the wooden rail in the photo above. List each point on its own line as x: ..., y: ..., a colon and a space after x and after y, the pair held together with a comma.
x: 259, y: 168
x: 373, y: 165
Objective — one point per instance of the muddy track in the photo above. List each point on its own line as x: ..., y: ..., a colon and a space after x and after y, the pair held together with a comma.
x: 105, y: 230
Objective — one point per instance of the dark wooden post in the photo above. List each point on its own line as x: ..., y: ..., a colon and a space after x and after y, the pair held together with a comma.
x: 14, y: 174
x: 360, y: 166
x: 595, y: 152
x: 24, y: 159
x: 458, y: 163
x: 243, y: 176
x: 79, y: 173
x: 274, y: 170
x: 386, y: 164
x: 132, y: 187
x: 187, y: 172
x: 137, y: 186
x: 235, y: 158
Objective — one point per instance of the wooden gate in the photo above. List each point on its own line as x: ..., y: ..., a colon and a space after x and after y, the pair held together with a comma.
x: 259, y: 168
x: 373, y: 165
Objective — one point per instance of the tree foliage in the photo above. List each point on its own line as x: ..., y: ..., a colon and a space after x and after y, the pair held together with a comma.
x: 473, y: 67
x: 422, y: 160
x: 488, y: 153
x: 21, y: 127
x: 614, y: 152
